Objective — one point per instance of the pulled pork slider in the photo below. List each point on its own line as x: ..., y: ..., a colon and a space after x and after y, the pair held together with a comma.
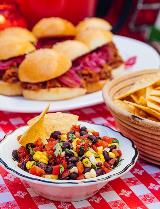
x: 52, y: 30
x: 102, y: 47
x: 12, y: 52
x: 41, y: 72
x: 92, y: 23
x: 89, y: 68
x: 18, y: 32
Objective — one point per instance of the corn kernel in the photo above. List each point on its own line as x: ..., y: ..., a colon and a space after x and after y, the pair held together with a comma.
x: 74, y: 143
x: 86, y: 162
x: 87, y: 175
x: 40, y: 157
x: 63, y: 137
x: 111, y: 155
x: 92, y: 173
x: 29, y: 164
x: 74, y: 170
x: 88, y: 154
x: 51, y: 176
x: 75, y: 154
x: 98, y: 160
x: 100, y: 150
x: 102, y: 158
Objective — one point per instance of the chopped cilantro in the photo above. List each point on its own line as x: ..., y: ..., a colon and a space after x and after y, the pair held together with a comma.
x: 58, y: 149
x: 72, y: 136
x: 61, y: 169
x: 115, y: 141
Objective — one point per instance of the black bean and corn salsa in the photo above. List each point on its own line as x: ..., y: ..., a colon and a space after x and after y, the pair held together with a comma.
x: 79, y: 154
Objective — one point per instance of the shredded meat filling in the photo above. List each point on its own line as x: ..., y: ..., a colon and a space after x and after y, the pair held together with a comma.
x: 10, y: 75
x: 42, y: 85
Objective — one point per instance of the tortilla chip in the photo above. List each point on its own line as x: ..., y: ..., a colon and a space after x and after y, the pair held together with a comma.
x: 148, y: 110
x: 35, y: 131
x: 154, y: 99
x: 57, y: 122
x: 125, y: 106
x: 142, y: 82
x: 134, y: 98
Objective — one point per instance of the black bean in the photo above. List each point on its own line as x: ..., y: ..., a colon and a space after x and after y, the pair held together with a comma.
x: 29, y: 145
x: 73, y: 159
x: 81, y: 151
x: 86, y: 170
x: 73, y: 175
x: 92, y: 138
x: 42, y: 165
x: 30, y: 157
x: 15, y: 155
x: 99, y: 172
x: 66, y: 145
x: 23, y: 166
x: 48, y: 169
x: 69, y: 153
x: 55, y: 134
x: 112, y: 147
x: 83, y: 128
x: 70, y: 165
x: 99, y: 164
x: 106, y: 156
x: 71, y: 132
x: 82, y: 133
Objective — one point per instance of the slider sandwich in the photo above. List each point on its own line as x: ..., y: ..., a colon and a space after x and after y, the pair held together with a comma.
x: 93, y: 23
x: 52, y: 30
x: 12, y: 53
x: 103, y: 51
x: 41, y: 76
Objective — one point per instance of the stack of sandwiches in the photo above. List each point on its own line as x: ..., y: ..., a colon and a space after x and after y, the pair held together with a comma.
x: 58, y: 60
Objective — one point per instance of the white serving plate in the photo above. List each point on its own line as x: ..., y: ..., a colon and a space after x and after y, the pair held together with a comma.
x: 147, y: 58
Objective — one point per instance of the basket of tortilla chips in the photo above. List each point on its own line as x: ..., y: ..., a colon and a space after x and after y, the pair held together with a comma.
x: 134, y: 101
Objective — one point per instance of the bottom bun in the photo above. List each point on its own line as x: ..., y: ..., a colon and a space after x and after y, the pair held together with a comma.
x: 118, y: 71
x: 54, y: 93
x: 10, y: 89
x: 93, y: 87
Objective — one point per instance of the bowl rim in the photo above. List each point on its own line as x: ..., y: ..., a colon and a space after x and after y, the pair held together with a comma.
x: 102, y: 178
x: 109, y: 100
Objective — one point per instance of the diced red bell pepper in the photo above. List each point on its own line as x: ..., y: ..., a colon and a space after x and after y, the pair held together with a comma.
x: 95, y: 133
x: 80, y: 167
x: 107, y: 139
x: 56, y: 170
x: 80, y: 177
x: 75, y: 128
x: 35, y: 170
x: 119, y: 152
x: 94, y: 148
x: 65, y: 174
x: 107, y: 170
x: 64, y: 163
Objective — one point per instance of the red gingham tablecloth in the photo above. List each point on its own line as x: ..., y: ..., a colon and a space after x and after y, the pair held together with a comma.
x: 138, y: 189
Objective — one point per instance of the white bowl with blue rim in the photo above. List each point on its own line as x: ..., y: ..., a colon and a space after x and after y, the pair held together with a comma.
x: 69, y: 190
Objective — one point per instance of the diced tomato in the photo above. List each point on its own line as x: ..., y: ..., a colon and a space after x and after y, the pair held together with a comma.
x: 35, y: 170
x: 95, y: 133
x: 65, y: 174
x: 112, y: 161
x: 107, y: 165
x: 94, y: 148
x: 104, y: 144
x: 75, y: 128
x: 22, y: 152
x: 77, y: 134
x: 64, y: 163
x: 107, y: 139
x: 99, y: 143
x: 50, y: 145
x: 80, y: 177
x: 56, y: 170
x: 107, y: 170
x: 80, y: 167
x: 119, y: 152
x: 38, y: 142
